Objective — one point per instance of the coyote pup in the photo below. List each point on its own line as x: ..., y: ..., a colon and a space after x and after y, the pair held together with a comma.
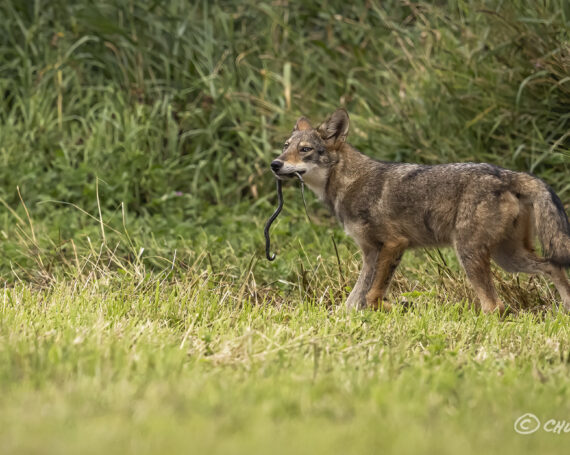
x: 483, y: 211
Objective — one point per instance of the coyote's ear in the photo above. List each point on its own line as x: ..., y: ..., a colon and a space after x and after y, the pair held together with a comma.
x: 335, y: 127
x: 302, y: 124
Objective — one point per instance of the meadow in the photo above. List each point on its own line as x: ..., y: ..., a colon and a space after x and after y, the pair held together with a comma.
x: 138, y: 313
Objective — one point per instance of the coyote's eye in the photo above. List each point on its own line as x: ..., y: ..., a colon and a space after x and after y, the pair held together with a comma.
x: 285, y: 145
x: 306, y: 149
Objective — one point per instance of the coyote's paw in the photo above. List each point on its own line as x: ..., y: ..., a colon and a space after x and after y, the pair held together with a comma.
x: 378, y: 304
x: 498, y: 307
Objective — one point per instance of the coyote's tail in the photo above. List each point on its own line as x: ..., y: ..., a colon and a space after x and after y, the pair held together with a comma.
x: 551, y: 221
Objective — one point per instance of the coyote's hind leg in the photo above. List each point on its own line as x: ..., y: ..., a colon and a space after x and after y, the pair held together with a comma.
x: 515, y: 258
x: 477, y: 265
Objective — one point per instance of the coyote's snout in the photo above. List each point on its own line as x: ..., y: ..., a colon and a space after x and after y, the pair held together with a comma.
x: 483, y: 211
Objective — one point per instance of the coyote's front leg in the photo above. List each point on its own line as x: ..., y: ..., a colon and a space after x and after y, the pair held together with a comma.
x: 357, y: 297
x: 386, y: 262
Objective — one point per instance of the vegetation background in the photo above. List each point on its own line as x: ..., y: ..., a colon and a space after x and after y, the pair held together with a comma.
x: 138, y: 312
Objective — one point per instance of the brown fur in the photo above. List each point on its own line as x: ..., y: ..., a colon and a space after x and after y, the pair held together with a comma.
x: 485, y: 212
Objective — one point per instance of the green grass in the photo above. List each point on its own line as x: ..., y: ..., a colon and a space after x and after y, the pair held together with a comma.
x: 187, y: 367
x: 138, y: 314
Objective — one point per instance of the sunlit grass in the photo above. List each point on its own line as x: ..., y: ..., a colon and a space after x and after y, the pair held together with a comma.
x: 140, y: 367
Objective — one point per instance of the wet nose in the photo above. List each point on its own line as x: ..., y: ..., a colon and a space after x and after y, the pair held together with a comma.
x: 276, y: 165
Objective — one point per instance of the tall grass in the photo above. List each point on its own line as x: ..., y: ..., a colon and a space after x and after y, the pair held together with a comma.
x: 159, y: 97
x: 163, y: 110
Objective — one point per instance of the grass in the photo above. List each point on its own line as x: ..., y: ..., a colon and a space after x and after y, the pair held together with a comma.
x: 145, y: 367
x: 138, y: 314
x: 207, y: 359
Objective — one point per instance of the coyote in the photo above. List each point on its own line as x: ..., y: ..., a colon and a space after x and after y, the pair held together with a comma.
x: 483, y: 211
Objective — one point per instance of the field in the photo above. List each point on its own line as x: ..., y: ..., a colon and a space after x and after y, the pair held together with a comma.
x: 138, y: 313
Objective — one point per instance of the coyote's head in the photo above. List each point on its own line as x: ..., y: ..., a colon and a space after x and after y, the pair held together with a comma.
x: 311, y: 152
